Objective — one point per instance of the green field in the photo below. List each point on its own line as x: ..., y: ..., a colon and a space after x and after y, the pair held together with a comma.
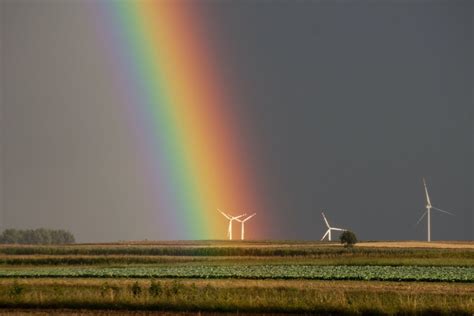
x: 232, y: 271
x: 270, y: 277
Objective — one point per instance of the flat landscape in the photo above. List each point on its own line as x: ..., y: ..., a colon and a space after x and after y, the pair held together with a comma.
x: 244, y: 277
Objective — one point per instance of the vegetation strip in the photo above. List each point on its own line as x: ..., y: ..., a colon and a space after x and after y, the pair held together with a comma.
x: 124, y: 260
x: 172, y: 295
x: 453, y: 288
x: 387, y: 273
x: 248, y: 250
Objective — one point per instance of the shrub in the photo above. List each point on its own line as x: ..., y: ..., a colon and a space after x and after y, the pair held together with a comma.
x: 16, y: 290
x: 155, y: 289
x: 176, y: 287
x: 136, y: 289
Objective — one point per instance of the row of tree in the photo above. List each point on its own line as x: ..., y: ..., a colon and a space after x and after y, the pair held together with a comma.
x: 40, y: 236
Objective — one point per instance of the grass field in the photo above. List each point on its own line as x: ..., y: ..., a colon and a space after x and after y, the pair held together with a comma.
x: 250, y: 277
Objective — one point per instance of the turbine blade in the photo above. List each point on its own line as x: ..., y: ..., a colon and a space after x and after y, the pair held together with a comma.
x: 324, y: 216
x: 340, y: 229
x: 424, y: 214
x: 237, y: 217
x: 325, y: 235
x: 440, y: 210
x: 249, y: 217
x: 426, y: 192
x: 226, y: 216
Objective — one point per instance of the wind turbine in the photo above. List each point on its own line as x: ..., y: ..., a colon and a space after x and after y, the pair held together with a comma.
x: 328, y: 232
x: 428, y: 211
x: 231, y: 219
x: 242, y: 221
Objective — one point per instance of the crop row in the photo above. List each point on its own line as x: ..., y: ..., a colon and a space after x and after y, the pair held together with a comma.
x: 312, y: 251
x: 385, y: 273
x: 68, y: 260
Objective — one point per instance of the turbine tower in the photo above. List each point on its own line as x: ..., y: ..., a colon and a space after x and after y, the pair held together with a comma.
x: 231, y: 219
x: 428, y: 211
x: 242, y: 221
x: 328, y: 232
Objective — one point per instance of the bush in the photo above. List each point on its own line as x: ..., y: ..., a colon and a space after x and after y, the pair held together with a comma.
x: 39, y: 236
x: 136, y: 289
x: 348, y: 238
x: 176, y: 287
x: 155, y: 289
x: 16, y: 290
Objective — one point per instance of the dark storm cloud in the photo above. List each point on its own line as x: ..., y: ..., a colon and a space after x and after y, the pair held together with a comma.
x: 351, y: 103
x: 346, y: 104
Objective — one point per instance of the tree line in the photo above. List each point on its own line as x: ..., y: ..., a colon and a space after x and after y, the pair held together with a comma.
x: 41, y: 236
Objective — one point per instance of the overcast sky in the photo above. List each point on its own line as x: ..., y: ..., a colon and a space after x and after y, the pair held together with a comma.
x: 347, y: 104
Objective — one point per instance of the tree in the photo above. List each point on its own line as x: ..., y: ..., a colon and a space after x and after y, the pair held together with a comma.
x: 68, y: 237
x: 29, y: 236
x: 43, y: 236
x: 39, y: 236
x: 348, y: 238
x: 10, y: 236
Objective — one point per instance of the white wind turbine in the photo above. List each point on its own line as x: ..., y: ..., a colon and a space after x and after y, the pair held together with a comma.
x: 231, y: 219
x: 242, y: 221
x: 328, y: 232
x: 428, y: 211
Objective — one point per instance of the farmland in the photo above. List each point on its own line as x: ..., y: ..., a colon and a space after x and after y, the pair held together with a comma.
x: 296, y: 277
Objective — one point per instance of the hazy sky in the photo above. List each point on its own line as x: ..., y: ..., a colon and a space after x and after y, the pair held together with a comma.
x: 347, y: 104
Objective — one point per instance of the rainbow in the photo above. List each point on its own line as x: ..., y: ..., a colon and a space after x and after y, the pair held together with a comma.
x: 182, y: 112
